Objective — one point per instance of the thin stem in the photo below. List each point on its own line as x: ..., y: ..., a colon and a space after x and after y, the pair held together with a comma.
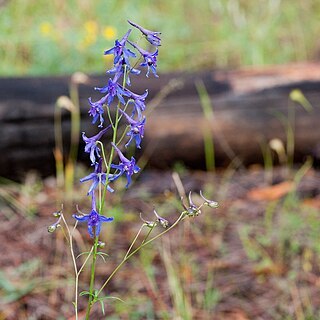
x: 74, y: 265
x: 85, y: 261
x: 114, y: 140
x: 93, y: 267
x: 148, y: 234
x: 103, y: 153
x: 181, y: 217
x: 58, y: 153
x: 123, y: 134
x: 134, y: 240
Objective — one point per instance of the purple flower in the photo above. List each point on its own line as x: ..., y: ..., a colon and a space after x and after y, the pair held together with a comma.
x: 96, y: 110
x: 138, y: 101
x: 119, y: 69
x: 150, y: 59
x: 91, y: 144
x: 136, y: 129
x: 97, y: 177
x: 120, y: 51
x: 152, y: 36
x: 125, y: 166
x: 113, y: 89
x: 94, y: 219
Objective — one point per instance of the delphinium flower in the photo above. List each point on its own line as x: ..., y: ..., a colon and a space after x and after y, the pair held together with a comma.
x: 97, y: 177
x: 136, y: 129
x: 125, y: 166
x: 96, y: 110
x: 120, y: 51
x: 121, y: 69
x: 93, y: 219
x: 150, y: 59
x: 113, y: 88
x: 151, y: 36
x: 91, y: 144
x: 138, y: 100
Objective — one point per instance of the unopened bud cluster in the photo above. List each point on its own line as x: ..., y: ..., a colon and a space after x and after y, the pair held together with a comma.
x: 193, y: 210
x: 56, y: 225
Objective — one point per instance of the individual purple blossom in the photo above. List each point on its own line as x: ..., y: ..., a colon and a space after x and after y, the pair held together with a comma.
x: 138, y: 101
x: 91, y: 144
x: 94, y: 219
x: 113, y: 89
x: 97, y: 177
x: 150, y: 59
x: 120, y: 51
x: 136, y: 129
x: 120, y: 69
x: 96, y: 110
x: 152, y: 36
x: 125, y: 166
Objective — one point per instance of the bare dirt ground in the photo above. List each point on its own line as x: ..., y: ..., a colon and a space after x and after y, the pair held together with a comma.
x: 256, y: 257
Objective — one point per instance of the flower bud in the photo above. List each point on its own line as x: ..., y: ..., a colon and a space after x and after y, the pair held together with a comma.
x: 53, y: 227
x: 101, y: 244
x: 57, y: 214
x: 163, y: 222
x: 193, y: 211
x: 209, y: 203
x: 149, y: 224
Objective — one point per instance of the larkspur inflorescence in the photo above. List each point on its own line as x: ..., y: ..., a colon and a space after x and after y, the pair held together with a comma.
x: 127, y: 105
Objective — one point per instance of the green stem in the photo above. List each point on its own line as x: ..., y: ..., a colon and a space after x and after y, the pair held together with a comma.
x: 74, y: 265
x: 134, y: 240
x: 93, y: 267
x: 148, y: 234
x: 127, y: 257
x: 114, y: 140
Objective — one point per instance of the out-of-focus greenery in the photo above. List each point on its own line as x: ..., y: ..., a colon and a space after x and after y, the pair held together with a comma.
x: 58, y: 37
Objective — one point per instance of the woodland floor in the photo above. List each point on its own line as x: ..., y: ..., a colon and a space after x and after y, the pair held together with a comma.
x: 255, y: 257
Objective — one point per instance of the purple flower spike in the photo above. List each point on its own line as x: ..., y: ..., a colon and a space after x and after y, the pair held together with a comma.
x: 97, y: 177
x: 120, y: 51
x: 94, y: 219
x: 152, y: 36
x: 136, y: 129
x: 150, y: 59
x: 125, y: 166
x: 91, y: 144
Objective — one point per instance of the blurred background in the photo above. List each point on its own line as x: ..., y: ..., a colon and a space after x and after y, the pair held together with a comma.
x: 61, y: 37
x: 236, y: 113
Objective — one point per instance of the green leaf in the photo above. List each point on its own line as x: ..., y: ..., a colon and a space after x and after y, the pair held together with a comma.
x: 83, y: 293
x: 102, y: 306
x: 101, y: 254
x: 87, y: 252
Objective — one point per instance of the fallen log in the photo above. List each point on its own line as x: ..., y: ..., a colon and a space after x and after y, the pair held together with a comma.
x: 248, y: 105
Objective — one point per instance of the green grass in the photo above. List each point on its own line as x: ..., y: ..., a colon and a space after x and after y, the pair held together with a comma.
x: 59, y: 37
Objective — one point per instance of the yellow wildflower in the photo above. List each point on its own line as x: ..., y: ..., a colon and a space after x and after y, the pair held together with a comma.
x: 46, y: 29
x: 109, y: 33
x: 91, y: 27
